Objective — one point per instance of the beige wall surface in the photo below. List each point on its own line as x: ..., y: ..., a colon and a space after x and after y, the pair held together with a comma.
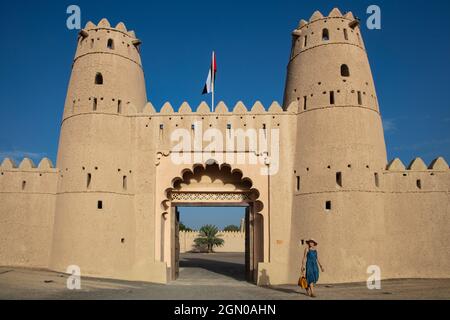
x: 27, y: 206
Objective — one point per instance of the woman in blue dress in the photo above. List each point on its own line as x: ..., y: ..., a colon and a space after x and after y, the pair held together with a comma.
x: 311, y: 264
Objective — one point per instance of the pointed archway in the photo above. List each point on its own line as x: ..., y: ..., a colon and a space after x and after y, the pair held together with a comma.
x: 212, y: 185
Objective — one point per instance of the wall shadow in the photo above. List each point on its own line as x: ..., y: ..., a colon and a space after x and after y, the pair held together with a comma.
x: 234, y: 270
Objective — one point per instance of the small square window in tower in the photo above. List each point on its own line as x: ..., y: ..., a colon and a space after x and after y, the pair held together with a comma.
x: 88, y: 180
x: 360, y: 102
x: 377, y: 179
x: 332, y: 97
x: 99, y: 204
x: 98, y: 78
x: 339, y: 179
x: 419, y: 184
x: 328, y: 205
x: 345, y: 70
x: 124, y: 182
x: 110, y: 44
x: 325, y: 35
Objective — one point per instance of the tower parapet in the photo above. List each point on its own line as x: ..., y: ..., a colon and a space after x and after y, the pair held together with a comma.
x: 102, y: 38
x: 328, y: 64
x: 107, y: 75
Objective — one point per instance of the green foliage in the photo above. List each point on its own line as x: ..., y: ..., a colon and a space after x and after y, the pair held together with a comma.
x: 208, y: 238
x: 183, y: 227
x: 232, y: 228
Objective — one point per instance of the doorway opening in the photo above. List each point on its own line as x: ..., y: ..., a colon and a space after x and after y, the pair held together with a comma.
x: 236, y: 260
x: 212, y: 243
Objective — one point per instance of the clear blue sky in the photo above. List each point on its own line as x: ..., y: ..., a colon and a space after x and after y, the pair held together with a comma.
x: 409, y: 59
x: 195, y: 217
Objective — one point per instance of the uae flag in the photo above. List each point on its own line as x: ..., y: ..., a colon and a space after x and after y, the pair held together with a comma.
x: 209, y: 85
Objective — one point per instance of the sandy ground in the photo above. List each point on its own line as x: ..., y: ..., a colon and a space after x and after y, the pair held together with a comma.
x: 205, y: 277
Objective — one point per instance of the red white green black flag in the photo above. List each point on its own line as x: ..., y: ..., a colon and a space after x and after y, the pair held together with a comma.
x: 209, y: 85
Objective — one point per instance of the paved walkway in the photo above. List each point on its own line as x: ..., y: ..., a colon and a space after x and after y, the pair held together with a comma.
x: 203, y: 277
x: 224, y: 269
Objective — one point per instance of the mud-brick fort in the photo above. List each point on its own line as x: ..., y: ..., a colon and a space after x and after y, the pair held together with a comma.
x: 110, y: 204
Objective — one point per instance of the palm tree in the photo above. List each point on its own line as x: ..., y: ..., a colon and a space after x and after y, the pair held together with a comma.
x: 232, y: 228
x: 182, y: 227
x: 208, y: 237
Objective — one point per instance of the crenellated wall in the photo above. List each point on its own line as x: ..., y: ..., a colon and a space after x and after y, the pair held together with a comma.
x: 417, y: 219
x: 233, y: 241
x: 27, y: 207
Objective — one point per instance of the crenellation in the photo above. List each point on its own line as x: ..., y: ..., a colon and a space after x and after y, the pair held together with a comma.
x: 221, y: 108
x: 417, y: 165
x: 439, y: 164
x: 8, y: 164
x: 258, y: 108
x: 185, y: 108
x: 275, y: 108
x: 349, y: 16
x: 89, y: 25
x: 166, y: 109
x: 317, y: 15
x: 121, y: 27
x: 396, y: 165
x: 203, y: 109
x: 104, y: 23
x: 27, y: 164
x: 105, y: 106
x: 27, y: 178
x: 335, y: 13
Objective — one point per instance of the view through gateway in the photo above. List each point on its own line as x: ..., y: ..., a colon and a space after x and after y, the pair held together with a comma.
x: 212, y: 245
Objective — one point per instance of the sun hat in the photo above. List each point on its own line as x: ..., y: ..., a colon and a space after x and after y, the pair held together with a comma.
x: 312, y: 240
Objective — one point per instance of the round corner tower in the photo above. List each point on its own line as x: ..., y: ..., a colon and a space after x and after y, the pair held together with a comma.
x: 329, y: 76
x: 94, y: 201
x: 340, y: 147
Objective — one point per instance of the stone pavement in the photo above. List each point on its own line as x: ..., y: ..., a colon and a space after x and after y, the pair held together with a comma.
x: 204, y: 277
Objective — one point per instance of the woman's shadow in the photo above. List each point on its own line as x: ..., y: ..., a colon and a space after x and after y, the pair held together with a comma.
x: 264, y: 281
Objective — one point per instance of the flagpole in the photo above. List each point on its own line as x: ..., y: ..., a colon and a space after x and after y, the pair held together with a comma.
x: 213, y: 75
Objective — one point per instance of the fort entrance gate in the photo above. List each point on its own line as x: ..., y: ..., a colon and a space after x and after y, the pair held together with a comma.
x: 213, y: 186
